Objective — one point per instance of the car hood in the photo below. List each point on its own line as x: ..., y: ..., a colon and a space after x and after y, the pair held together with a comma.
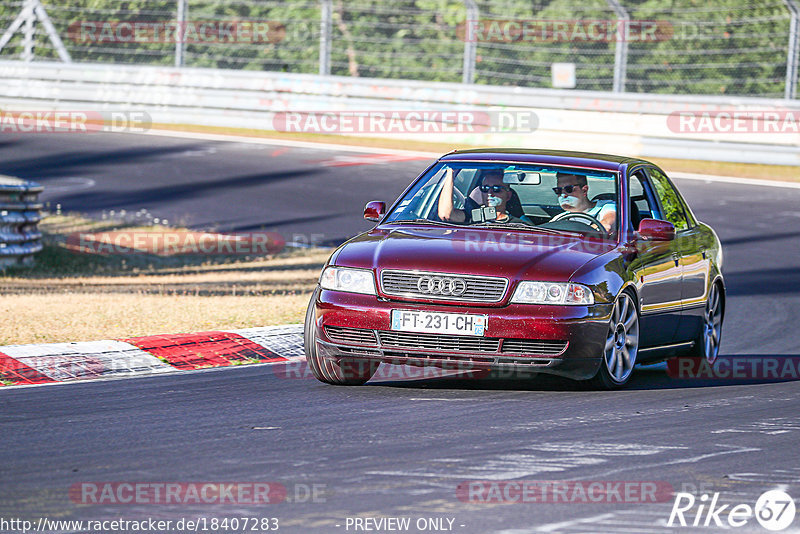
x: 481, y: 251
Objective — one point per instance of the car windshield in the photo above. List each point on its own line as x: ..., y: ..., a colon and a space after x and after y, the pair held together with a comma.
x: 519, y: 195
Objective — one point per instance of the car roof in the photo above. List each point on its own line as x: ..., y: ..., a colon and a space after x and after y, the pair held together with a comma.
x: 566, y: 158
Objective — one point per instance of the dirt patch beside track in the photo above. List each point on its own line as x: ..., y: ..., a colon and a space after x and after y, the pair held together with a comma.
x: 69, y: 295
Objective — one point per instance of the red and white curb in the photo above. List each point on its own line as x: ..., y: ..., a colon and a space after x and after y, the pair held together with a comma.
x: 61, y: 362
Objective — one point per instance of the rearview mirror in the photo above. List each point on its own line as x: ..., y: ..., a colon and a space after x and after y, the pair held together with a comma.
x: 656, y: 230
x: 522, y: 177
x: 374, y: 210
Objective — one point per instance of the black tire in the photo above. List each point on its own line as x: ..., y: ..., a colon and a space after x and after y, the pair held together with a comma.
x: 707, y: 344
x: 335, y: 371
x: 621, y: 347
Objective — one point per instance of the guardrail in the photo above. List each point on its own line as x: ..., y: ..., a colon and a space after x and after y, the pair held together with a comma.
x: 620, y: 45
x: 634, y: 124
x: 20, y: 213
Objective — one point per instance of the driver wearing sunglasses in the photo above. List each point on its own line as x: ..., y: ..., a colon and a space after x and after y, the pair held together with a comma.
x: 573, y: 195
x: 493, y: 193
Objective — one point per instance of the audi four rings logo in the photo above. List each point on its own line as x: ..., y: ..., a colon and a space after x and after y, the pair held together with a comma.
x: 439, y: 285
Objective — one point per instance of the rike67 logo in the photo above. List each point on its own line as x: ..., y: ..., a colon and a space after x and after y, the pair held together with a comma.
x: 774, y: 510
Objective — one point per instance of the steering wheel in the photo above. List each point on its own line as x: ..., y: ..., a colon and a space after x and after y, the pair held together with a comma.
x: 580, y: 216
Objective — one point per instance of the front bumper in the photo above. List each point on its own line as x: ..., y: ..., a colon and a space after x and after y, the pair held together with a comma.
x: 561, y: 340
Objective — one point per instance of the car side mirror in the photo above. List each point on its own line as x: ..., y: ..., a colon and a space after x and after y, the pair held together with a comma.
x: 374, y: 210
x: 656, y: 230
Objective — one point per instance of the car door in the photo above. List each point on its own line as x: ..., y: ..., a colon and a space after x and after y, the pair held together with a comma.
x: 657, y: 269
x: 689, y: 256
x: 695, y: 264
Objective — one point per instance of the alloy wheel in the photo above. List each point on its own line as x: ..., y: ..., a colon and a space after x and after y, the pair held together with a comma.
x: 712, y: 329
x: 622, y: 343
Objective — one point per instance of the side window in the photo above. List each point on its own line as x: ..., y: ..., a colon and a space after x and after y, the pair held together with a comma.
x: 643, y: 205
x: 670, y: 201
x: 689, y: 215
x: 464, y: 179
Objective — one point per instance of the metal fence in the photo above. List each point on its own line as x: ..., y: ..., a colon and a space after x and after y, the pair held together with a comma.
x: 722, y: 47
x: 20, y: 213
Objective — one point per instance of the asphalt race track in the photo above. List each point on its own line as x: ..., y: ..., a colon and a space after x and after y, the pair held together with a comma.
x: 398, y: 448
x: 311, y: 194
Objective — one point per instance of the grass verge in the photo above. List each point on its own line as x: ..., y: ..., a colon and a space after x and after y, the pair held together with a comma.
x: 69, y: 296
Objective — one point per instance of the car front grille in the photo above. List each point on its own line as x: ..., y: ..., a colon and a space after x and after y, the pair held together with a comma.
x: 351, y: 336
x: 390, y: 342
x: 417, y: 358
x: 533, y: 346
x: 438, y: 342
x: 478, y: 288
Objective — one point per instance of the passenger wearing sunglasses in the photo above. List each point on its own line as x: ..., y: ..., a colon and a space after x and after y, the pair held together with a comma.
x: 573, y: 195
x: 493, y: 192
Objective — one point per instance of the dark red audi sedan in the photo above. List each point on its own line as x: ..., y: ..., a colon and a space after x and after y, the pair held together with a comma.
x: 573, y: 264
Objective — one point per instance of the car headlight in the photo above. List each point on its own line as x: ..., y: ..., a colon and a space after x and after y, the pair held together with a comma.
x: 349, y: 280
x: 552, y: 293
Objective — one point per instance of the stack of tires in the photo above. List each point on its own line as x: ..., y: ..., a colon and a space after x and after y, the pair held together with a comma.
x: 20, y: 213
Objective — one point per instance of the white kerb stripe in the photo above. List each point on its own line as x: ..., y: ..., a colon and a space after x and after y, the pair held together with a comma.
x: 285, y: 340
x: 90, y: 359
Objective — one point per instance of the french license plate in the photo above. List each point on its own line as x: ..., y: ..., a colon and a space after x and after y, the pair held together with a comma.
x: 439, y: 323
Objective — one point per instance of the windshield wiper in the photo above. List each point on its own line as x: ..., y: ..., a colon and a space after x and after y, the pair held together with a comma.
x: 507, y: 224
x: 525, y: 226
x: 558, y: 232
x: 413, y: 221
